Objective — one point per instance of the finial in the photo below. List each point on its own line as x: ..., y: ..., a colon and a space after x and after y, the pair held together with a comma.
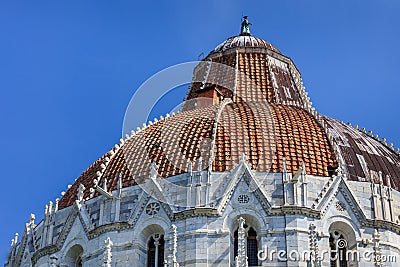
x: 153, y: 170
x: 80, y: 192
x: 380, y: 177
x: 303, y: 166
x: 284, y: 165
x: 388, y: 183
x: 50, y: 206
x: 199, y: 164
x: 15, y: 240
x: 46, y: 210
x: 105, y: 184
x: 243, y: 158
x: 241, y: 222
x: 119, y: 181
x: 190, y: 167
x: 32, y: 219
x: 56, y: 204
x: 245, y: 29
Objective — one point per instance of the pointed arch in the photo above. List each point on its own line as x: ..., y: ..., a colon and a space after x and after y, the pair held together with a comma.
x: 253, y: 232
x: 152, y: 237
x: 155, y: 250
x: 342, y: 245
x: 252, y: 216
x: 73, y: 258
x: 252, y: 245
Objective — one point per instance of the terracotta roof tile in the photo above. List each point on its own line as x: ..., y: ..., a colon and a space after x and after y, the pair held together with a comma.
x: 264, y: 132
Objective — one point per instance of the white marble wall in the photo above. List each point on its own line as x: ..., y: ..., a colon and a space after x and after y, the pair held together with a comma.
x: 205, y: 233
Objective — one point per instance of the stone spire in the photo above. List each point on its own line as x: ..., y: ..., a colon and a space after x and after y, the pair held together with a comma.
x: 173, y: 248
x: 241, y: 258
x: 107, y: 255
x: 376, y: 238
x: 314, y: 257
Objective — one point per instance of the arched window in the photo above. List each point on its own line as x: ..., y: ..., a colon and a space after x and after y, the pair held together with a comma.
x: 338, y: 249
x: 252, y: 247
x: 343, y: 245
x: 155, y: 251
x: 251, y: 244
x: 73, y: 258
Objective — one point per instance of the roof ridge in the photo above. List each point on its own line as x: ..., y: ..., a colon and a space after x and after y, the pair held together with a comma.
x: 119, y: 146
x: 369, y: 133
x: 223, y: 104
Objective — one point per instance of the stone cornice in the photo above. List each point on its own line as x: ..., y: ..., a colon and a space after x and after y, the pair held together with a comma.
x: 293, y: 209
x: 198, y: 211
x: 117, y: 226
x: 44, y: 251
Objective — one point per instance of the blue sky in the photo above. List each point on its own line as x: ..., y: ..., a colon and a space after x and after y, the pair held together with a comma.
x: 69, y: 68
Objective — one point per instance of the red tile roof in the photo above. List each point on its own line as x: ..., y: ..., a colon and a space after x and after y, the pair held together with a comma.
x: 249, y: 75
x: 266, y: 133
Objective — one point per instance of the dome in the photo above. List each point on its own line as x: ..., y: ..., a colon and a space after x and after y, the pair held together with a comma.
x: 246, y: 153
x: 244, y: 102
x: 245, y: 41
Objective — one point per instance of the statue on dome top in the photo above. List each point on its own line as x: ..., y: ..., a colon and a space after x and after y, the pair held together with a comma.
x: 245, y: 29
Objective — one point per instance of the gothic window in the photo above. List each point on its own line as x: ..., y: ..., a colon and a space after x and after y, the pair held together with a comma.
x: 73, y: 258
x: 252, y: 245
x: 155, y: 251
x: 338, y: 251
